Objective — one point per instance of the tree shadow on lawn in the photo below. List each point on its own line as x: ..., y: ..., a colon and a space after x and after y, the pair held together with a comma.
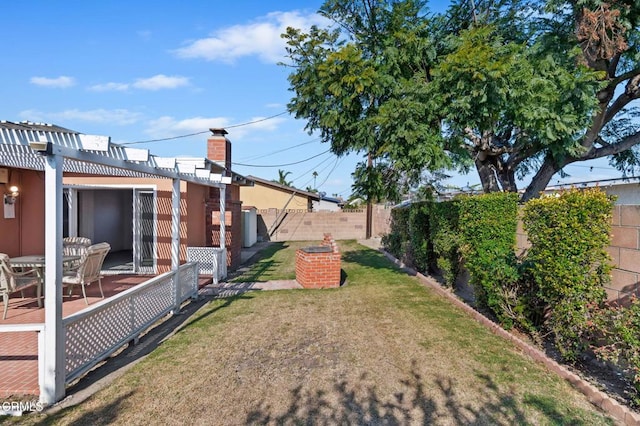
x: 259, y: 265
x: 105, y: 415
x: 418, y: 402
x: 109, y: 369
x: 370, y: 259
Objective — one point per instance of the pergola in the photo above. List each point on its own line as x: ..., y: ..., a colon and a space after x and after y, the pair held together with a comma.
x: 55, y: 151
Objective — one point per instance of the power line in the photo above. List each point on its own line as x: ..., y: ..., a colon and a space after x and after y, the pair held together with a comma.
x: 331, y: 171
x: 281, y: 165
x: 314, y: 168
x: 204, y: 131
x: 253, y: 157
x: 166, y: 139
x: 256, y: 121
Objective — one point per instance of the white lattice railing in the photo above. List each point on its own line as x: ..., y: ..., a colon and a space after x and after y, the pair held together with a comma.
x: 212, y: 260
x: 95, y: 333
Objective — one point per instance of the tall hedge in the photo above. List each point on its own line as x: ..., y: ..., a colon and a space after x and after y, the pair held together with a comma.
x: 568, y: 260
x: 445, y: 239
x: 395, y: 241
x: 487, y: 226
x: 419, y: 226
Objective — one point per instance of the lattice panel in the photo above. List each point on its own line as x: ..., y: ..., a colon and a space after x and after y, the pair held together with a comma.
x: 90, y: 336
x: 188, y: 282
x: 93, y: 337
x: 212, y: 260
x: 153, y: 303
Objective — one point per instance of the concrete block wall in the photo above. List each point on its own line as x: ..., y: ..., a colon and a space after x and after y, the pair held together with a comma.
x: 319, y: 269
x: 300, y: 225
x: 624, y: 251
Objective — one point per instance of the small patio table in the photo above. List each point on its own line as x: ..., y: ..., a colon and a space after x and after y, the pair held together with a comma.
x: 37, y: 262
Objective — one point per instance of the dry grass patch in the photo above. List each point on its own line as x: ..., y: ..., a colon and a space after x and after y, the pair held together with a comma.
x: 381, y: 350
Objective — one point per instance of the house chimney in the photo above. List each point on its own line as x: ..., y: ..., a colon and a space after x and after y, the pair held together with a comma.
x: 219, y: 149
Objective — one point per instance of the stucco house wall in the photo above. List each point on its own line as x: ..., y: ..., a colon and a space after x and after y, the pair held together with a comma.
x: 24, y: 234
x: 265, y: 194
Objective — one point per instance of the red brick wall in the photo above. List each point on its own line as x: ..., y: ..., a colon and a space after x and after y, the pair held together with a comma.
x: 233, y: 226
x: 219, y: 150
x: 319, y: 270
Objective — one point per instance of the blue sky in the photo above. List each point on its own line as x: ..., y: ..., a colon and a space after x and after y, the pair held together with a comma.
x: 137, y: 71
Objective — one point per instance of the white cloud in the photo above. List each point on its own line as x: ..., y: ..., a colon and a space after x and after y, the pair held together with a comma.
x: 119, y: 117
x: 145, y: 34
x: 260, y: 38
x: 61, y: 82
x: 161, y: 81
x: 110, y: 87
x: 157, y: 82
x: 166, y: 126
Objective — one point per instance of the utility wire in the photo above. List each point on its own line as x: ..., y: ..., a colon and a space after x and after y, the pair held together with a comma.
x: 281, y: 165
x: 253, y: 157
x: 256, y: 121
x: 315, y: 168
x: 165, y: 139
x: 204, y: 131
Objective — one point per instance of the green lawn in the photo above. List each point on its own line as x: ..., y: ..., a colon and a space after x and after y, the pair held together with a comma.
x: 382, y: 349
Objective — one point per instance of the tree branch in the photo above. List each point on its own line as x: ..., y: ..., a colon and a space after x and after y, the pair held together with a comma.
x: 623, y: 100
x: 607, y: 150
x: 626, y: 76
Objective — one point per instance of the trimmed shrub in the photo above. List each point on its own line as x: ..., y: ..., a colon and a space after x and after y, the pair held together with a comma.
x: 616, y: 332
x: 419, y: 235
x: 445, y: 239
x: 487, y: 225
x: 394, y: 241
x: 568, y: 260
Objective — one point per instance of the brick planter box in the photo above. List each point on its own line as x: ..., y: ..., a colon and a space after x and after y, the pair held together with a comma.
x: 319, y: 266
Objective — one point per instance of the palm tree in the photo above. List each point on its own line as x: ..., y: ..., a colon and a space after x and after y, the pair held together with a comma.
x: 315, y: 175
x: 282, y: 178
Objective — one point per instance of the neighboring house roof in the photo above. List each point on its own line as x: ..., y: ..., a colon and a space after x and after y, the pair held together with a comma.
x: 603, y: 183
x: 92, y: 154
x: 332, y: 199
x: 285, y: 188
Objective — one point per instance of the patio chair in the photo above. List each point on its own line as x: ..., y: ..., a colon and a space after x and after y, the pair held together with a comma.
x: 12, y: 281
x: 88, y: 269
x: 75, y: 246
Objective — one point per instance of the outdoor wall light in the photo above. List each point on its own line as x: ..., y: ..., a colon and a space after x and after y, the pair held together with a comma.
x: 43, y: 148
x: 11, y: 197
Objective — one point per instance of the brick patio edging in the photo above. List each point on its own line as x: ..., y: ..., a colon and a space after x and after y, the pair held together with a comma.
x: 595, y: 396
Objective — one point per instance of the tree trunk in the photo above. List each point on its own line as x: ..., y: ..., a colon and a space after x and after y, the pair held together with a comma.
x: 488, y: 177
x: 508, y: 179
x: 540, y: 180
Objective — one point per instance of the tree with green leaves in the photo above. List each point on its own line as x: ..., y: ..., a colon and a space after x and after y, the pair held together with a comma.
x: 512, y: 87
x: 550, y: 91
x: 359, y: 87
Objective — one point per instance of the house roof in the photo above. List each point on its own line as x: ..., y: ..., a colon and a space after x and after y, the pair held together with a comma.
x: 96, y: 155
x: 592, y: 183
x: 286, y: 188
